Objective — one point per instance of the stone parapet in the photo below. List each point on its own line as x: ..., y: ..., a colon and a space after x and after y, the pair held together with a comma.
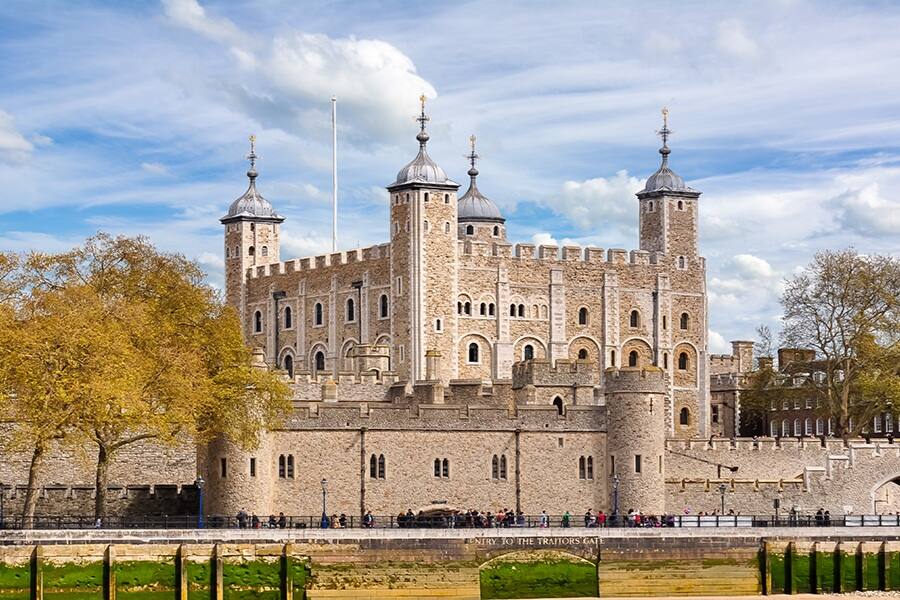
x: 650, y: 380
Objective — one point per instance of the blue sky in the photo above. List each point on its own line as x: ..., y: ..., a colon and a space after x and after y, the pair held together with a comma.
x: 133, y: 117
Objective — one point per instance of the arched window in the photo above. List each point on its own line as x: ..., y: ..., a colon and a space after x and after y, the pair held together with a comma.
x: 528, y: 352
x: 820, y: 426
x: 582, y: 468
x: 522, y: 310
x: 281, y: 467
x: 473, y: 353
x: 381, y: 466
x: 664, y: 321
x: 288, y: 317
x: 612, y: 358
x: 438, y: 325
x: 684, y: 416
x: 582, y: 316
x: 807, y: 427
x: 467, y: 307
x: 502, y: 466
x: 482, y: 309
x: 512, y: 310
x: 785, y: 428
x: 384, y: 306
x: 257, y: 322
x: 251, y: 251
x: 290, y: 466
x: 469, y: 230
x: 681, y: 263
x: 351, y: 310
x: 373, y: 467
x: 437, y: 467
x: 773, y: 428
x: 633, y: 358
x: 665, y: 360
x: 289, y: 365
x: 582, y: 354
x: 426, y: 196
x: 680, y: 205
x: 459, y: 308
x: 446, y: 198
x: 635, y: 319
x: 495, y: 467
x: 446, y: 226
x: 683, y: 361
x: 491, y: 309
x: 590, y: 467
x: 320, y: 361
x: 317, y: 316
x: 558, y: 403
x: 685, y: 320
x: 496, y: 230
x: 445, y: 468
x: 407, y: 197
x: 265, y: 250
x: 651, y: 206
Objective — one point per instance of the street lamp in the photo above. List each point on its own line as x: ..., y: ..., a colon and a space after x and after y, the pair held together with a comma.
x: 199, y: 483
x: 615, y: 499
x: 722, y: 489
x: 324, y: 513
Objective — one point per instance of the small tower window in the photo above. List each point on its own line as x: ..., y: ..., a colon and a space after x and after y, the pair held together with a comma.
x: 684, y: 416
x: 373, y: 467
x: 680, y: 205
x: 612, y: 358
x: 582, y: 354
x: 289, y: 366
x: 582, y: 316
x: 317, y: 316
x: 684, y: 320
x: 470, y: 230
x: 445, y: 468
x: 446, y: 198
x: 495, y: 467
x: 290, y: 466
x: 528, y: 352
x: 650, y: 205
x: 252, y: 467
x: 496, y: 230
x: 558, y: 403
x: 482, y: 310
x: 665, y: 360
x: 633, y: 358
x: 257, y: 322
x: 282, y: 466
x: 681, y: 263
x: 320, y: 361
x: 251, y: 251
x: 491, y: 309
x: 522, y: 310
x: 467, y: 308
x: 426, y: 196
x: 635, y: 319
x: 664, y: 321
x: 473, y: 353
x: 351, y: 310
x: 446, y: 226
x: 512, y: 310
x: 438, y: 326
x: 590, y: 467
x: 384, y: 306
x: 288, y: 317
x: 265, y: 250
x: 683, y: 361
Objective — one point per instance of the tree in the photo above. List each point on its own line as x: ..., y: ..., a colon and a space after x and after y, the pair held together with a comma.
x: 846, y: 307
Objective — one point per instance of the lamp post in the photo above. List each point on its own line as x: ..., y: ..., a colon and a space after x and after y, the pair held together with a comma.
x: 324, y: 494
x: 199, y: 483
x: 615, y: 499
x: 722, y: 489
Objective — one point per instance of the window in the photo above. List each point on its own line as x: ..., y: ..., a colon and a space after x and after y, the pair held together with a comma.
x: 807, y: 426
x: 773, y: 428
x: 558, y: 403
x: 633, y: 358
x: 582, y: 468
x: 426, y: 196
x: 612, y: 358
x: 637, y: 463
x: 236, y: 252
x: 265, y: 250
x: 252, y: 467
x: 797, y: 430
x: 495, y: 467
x: 684, y: 416
x: 317, y: 314
x: 528, y: 352
x: 582, y: 316
x: 223, y: 467
x: 438, y: 326
x: 446, y: 226
x: 665, y: 360
x: 257, y: 322
x: 469, y: 230
x: 320, y: 361
x: 785, y: 428
x: 437, y: 467
x: 399, y: 286
x: 290, y: 466
x: 685, y: 319
x: 512, y: 310
x: 289, y: 366
x: 383, y: 311
x: 522, y: 310
x: 491, y: 309
x: 407, y: 197
x: 635, y: 319
x: 820, y: 426
x: 376, y: 467
x: 889, y: 423
x: 876, y: 424
x: 590, y: 467
x: 381, y: 466
x: 351, y: 310
x: 650, y: 206
x: 251, y: 251
x: 582, y: 354
x: 681, y: 263
x: 282, y: 466
x: 612, y: 465
x: 446, y: 198
x: 683, y: 361
x: 473, y: 353
x: 467, y: 308
x: 502, y: 466
x: 482, y: 309
x: 664, y: 321
x: 445, y: 469
x: 496, y: 230
x: 715, y: 413
x: 288, y: 317
x: 680, y: 205
x: 427, y: 227
x: 459, y: 308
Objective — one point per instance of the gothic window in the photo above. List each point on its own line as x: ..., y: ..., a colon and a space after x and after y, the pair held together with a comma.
x: 482, y: 310
x: 491, y: 309
x: 290, y: 466
x: 633, y: 358
x: 807, y: 426
x: 590, y: 467
x: 251, y: 251
x: 634, y: 319
x: 496, y: 231
x: 381, y: 466
x: 684, y: 416
x: 685, y: 319
x: 373, y: 467
x: 227, y: 252
x: 317, y: 314
x: 797, y: 430
x: 473, y: 353
x: 512, y: 310
x: 437, y: 467
x: 265, y: 250
x: 445, y: 468
x: 495, y: 467
x: 528, y: 352
x: 502, y: 466
x: 384, y: 306
x: 257, y: 322
x: 681, y: 263
x: 470, y: 230
x: 252, y: 467
x: 320, y: 361
x: 683, y: 361
x: 582, y: 468
x: 680, y: 205
x: 282, y: 467
x: 289, y: 366
x: 582, y: 354
x: 288, y: 318
x: 351, y: 310
x: 467, y: 308
x: 582, y: 316
x: 558, y: 403
x: 522, y: 310
x: 820, y: 426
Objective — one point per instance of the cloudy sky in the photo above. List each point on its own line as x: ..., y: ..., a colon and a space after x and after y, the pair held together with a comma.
x: 133, y: 118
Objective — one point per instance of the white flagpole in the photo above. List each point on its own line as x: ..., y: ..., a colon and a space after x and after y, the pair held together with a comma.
x: 334, y: 184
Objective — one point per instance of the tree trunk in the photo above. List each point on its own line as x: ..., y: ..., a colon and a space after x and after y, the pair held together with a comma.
x: 31, y: 494
x: 101, y: 483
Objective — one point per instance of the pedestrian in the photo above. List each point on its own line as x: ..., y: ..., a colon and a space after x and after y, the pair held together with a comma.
x: 335, y: 524
x: 601, y: 519
x: 566, y: 518
x: 827, y: 519
x: 342, y: 520
x: 545, y: 519
x: 242, y: 518
x: 588, y: 517
x: 272, y: 522
x: 820, y: 518
x: 282, y: 521
x: 368, y: 520
x: 254, y: 521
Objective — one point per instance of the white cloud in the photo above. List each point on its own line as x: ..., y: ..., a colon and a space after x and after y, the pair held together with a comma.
x: 154, y: 168
x: 732, y: 39
x: 866, y: 212
x: 717, y: 343
x: 13, y: 145
x: 599, y: 201
x: 543, y: 238
x: 747, y: 266
x: 213, y: 261
x: 190, y: 14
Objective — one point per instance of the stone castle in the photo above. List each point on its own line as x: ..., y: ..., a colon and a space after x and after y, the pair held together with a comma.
x: 450, y: 368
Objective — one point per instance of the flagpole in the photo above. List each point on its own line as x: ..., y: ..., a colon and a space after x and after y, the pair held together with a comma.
x: 334, y: 174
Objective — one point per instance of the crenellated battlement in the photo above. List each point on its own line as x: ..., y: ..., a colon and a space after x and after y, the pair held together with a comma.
x: 562, y: 373
x: 646, y: 379
x: 557, y: 254
x: 322, y: 261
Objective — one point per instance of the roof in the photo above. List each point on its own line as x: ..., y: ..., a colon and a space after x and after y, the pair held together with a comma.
x: 475, y: 206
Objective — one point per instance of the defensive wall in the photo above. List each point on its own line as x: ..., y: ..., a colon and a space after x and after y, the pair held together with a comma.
x: 460, y: 564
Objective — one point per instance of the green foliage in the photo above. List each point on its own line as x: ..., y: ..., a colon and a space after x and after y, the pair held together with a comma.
x: 14, y: 577
x: 145, y: 574
x: 73, y: 576
x: 556, y: 579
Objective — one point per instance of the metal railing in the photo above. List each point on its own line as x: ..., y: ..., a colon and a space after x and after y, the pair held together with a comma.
x: 459, y: 521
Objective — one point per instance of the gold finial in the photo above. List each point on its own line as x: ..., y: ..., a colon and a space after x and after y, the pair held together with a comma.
x: 422, y: 99
x: 472, y: 141
x: 665, y: 114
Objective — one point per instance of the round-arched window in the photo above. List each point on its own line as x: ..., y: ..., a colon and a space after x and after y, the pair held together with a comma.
x: 528, y: 352
x: 473, y: 353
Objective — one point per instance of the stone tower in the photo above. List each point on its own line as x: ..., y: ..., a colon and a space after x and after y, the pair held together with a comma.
x: 424, y: 264
x: 251, y: 237
x: 636, y: 438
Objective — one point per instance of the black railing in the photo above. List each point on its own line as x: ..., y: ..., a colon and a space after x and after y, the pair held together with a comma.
x: 459, y: 521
